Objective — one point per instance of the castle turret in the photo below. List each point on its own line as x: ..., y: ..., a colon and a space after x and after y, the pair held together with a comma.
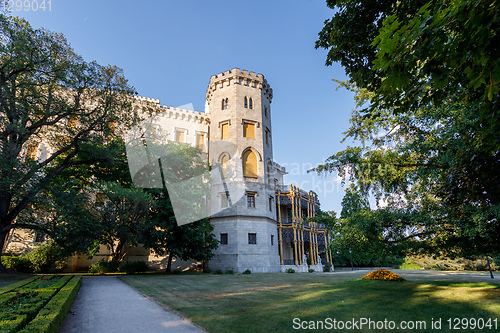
x: 240, y: 152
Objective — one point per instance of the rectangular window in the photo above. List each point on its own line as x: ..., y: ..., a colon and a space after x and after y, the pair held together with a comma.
x: 249, y: 130
x: 223, y: 238
x: 225, y: 131
x: 251, y: 200
x: 224, y: 200
x: 179, y: 136
x: 272, y: 240
x: 271, y: 201
x: 252, y: 238
x: 200, y: 141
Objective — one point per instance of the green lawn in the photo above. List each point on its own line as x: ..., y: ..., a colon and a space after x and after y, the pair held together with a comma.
x: 270, y: 302
x: 9, y: 278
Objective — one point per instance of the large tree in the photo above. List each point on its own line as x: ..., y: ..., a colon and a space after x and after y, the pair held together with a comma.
x: 51, y: 98
x: 426, y: 76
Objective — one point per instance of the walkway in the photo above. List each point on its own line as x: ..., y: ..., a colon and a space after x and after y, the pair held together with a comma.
x: 106, y: 304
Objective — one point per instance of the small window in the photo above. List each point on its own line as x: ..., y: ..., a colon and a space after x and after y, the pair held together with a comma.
x: 250, y: 103
x: 223, y: 238
x: 245, y: 103
x: 251, y: 200
x: 252, y: 238
x: 272, y: 240
x: 200, y: 141
x: 224, y: 166
x: 225, y: 131
x: 224, y: 200
x: 100, y: 198
x: 179, y: 136
x: 271, y: 201
x: 249, y: 130
x: 267, y: 136
x: 225, y: 102
x: 265, y: 111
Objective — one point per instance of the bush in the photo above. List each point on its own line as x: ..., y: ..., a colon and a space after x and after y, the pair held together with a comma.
x: 103, y: 266
x: 229, y: 271
x: 19, y: 264
x: 247, y: 271
x: 218, y: 271
x: 134, y: 267
x: 207, y: 270
x: 47, y: 258
x: 327, y: 267
x: 311, y: 270
x: 291, y: 270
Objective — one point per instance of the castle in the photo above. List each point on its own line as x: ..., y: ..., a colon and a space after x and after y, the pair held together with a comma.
x: 258, y: 220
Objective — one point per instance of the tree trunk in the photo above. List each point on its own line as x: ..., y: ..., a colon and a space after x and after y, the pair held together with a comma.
x: 3, y: 238
x: 169, y: 264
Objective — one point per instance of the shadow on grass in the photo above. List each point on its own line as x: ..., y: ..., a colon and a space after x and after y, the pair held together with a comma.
x: 270, y: 303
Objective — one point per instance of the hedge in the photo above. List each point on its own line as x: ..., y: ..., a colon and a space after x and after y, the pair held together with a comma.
x: 51, y: 317
x: 16, y: 285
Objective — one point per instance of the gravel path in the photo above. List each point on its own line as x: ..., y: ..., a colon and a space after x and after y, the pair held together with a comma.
x: 106, y: 304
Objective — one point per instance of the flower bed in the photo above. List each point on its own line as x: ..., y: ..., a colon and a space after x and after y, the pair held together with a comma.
x: 384, y: 275
x: 38, y: 304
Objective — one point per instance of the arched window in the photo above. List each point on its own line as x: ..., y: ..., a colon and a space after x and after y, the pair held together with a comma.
x: 250, y: 104
x: 245, y: 103
x: 224, y: 163
x: 250, y: 164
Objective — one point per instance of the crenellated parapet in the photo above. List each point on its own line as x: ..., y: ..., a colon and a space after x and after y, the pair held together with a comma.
x: 241, y: 77
x: 152, y: 106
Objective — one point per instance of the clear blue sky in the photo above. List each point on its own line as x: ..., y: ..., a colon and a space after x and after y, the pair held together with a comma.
x: 169, y: 49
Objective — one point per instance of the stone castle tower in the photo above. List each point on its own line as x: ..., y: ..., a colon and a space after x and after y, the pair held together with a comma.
x: 243, y: 197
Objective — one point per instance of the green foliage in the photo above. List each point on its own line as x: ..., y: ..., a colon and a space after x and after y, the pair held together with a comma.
x: 311, y: 270
x: 229, y: 271
x: 104, y: 266
x: 247, y: 271
x: 426, y: 76
x: 290, y: 270
x: 46, y: 258
x: 218, y: 271
x: 44, y: 87
x: 327, y: 267
x: 134, y: 267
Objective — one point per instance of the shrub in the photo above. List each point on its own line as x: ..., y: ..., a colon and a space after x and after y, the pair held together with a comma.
x: 384, y: 275
x: 311, y: 270
x: 134, y: 267
x: 47, y: 258
x: 103, y: 266
x: 207, y: 270
x: 19, y: 264
x: 229, y: 271
x: 218, y: 271
x: 327, y: 267
x: 247, y: 271
x: 291, y: 270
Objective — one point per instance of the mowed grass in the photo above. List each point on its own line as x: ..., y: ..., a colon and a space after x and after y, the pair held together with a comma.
x: 270, y: 302
x: 9, y: 278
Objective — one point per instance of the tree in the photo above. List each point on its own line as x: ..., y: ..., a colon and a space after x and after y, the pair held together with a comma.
x: 51, y: 98
x: 426, y: 79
